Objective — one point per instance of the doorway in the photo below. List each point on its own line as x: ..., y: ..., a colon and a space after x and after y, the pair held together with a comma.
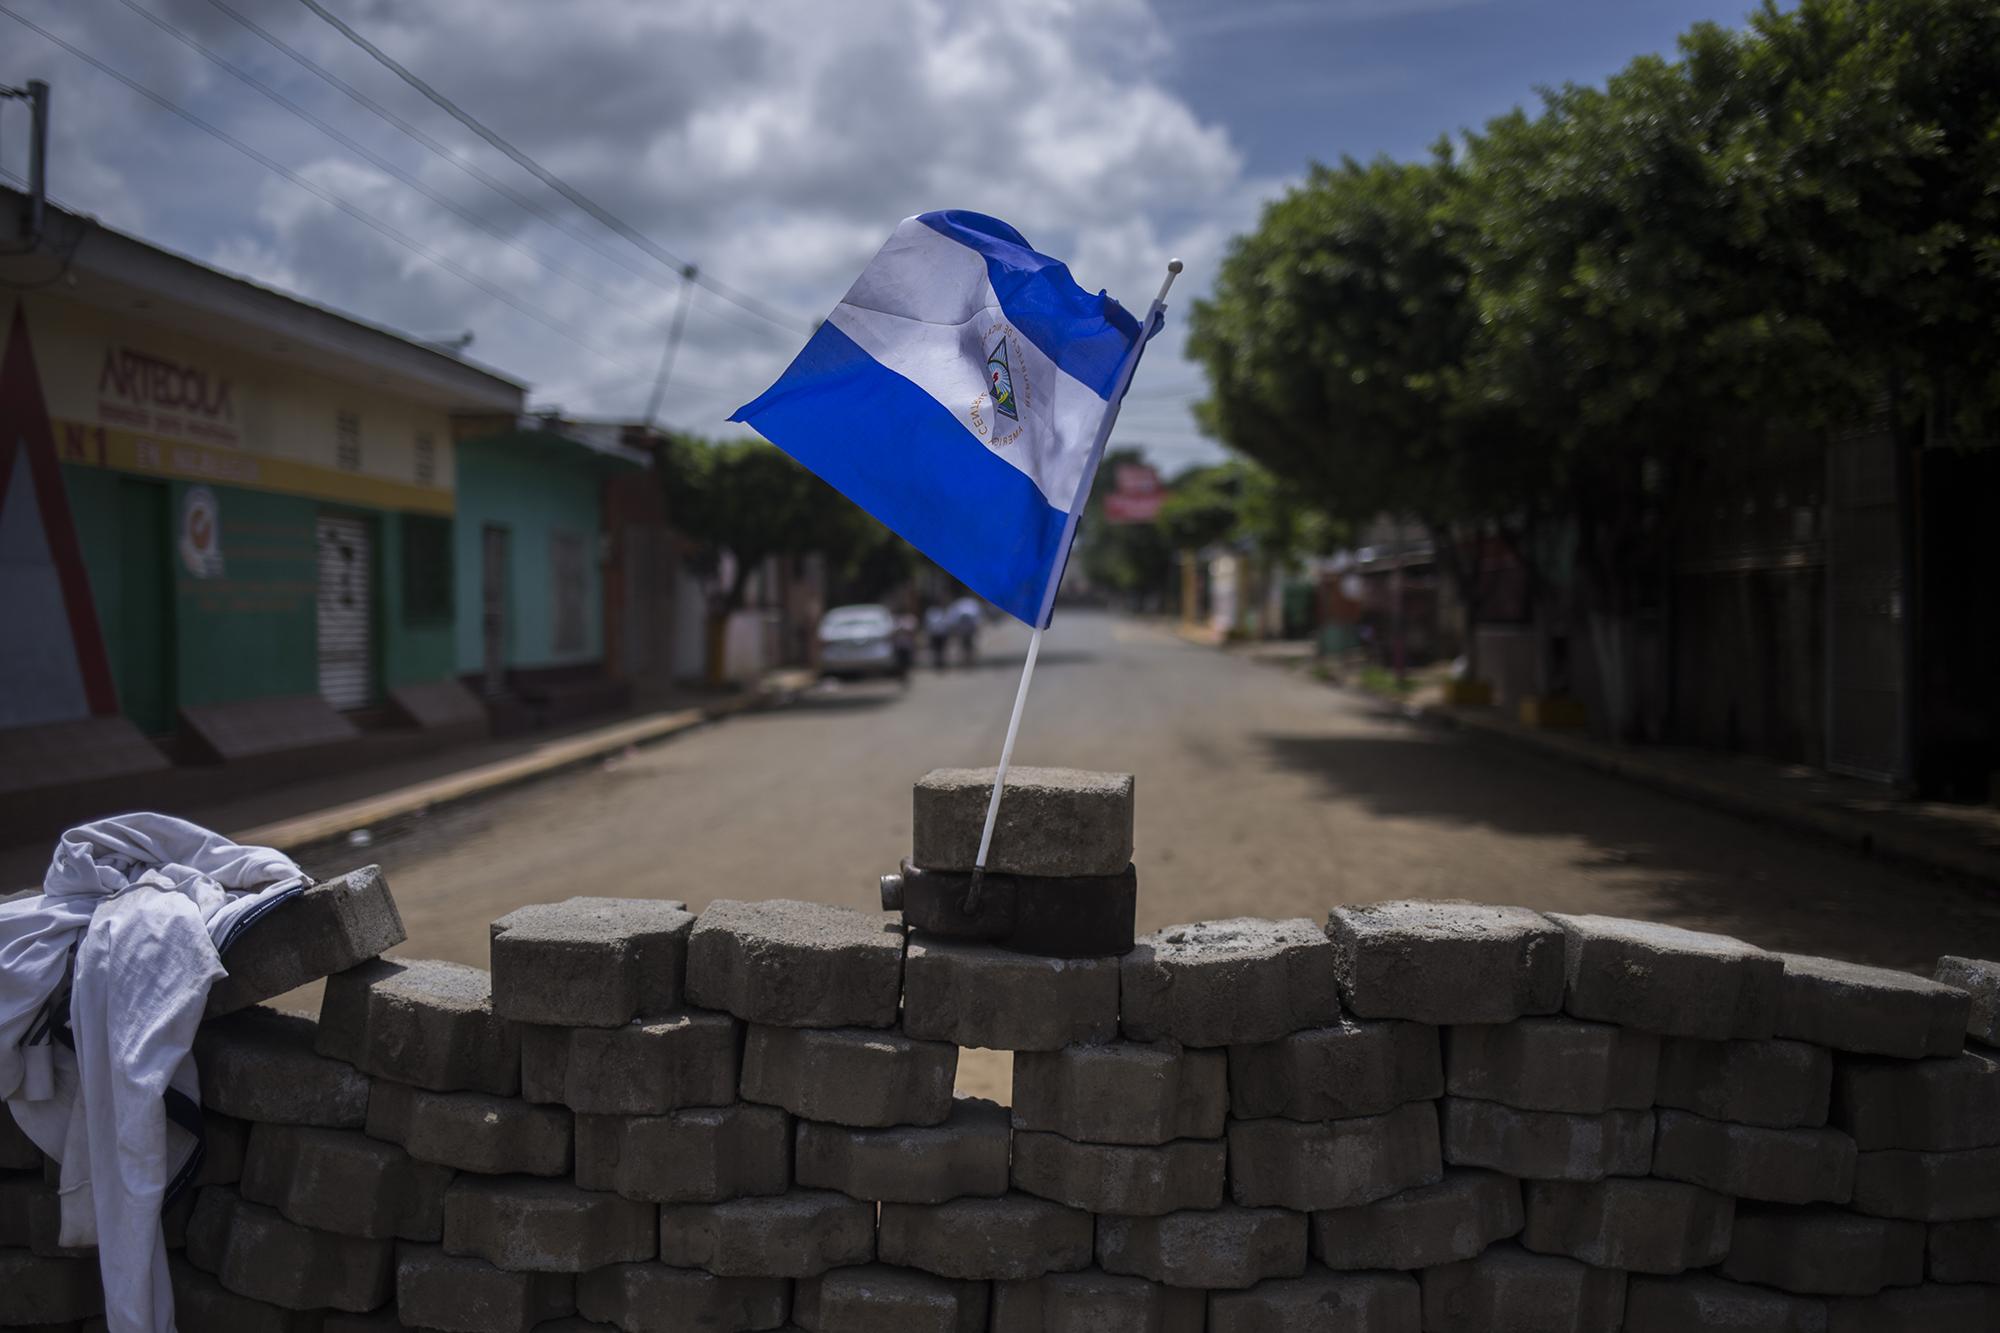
x: 493, y: 609
x: 346, y: 612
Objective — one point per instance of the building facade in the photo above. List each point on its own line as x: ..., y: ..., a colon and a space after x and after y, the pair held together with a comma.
x: 213, y: 493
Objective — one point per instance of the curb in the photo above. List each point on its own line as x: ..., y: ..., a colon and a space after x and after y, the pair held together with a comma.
x: 335, y: 822
x: 1830, y: 824
x: 1850, y: 829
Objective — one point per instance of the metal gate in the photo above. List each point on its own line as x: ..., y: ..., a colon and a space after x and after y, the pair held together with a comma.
x: 346, y: 613
x: 1866, y: 600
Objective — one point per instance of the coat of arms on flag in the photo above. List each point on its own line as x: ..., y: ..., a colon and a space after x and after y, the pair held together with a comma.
x: 1002, y: 379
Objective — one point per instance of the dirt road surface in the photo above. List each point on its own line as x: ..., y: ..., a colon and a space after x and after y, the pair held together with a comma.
x: 1260, y: 791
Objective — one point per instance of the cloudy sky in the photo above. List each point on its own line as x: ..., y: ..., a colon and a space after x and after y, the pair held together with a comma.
x: 773, y: 142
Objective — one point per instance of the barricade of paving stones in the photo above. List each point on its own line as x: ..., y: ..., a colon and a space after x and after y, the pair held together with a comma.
x: 1414, y: 1118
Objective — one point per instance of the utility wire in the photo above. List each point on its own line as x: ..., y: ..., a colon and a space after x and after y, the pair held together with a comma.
x: 447, y: 154
x: 362, y: 151
x: 407, y: 242
x: 740, y: 299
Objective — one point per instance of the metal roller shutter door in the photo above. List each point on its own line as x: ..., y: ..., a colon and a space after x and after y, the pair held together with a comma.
x: 346, y: 612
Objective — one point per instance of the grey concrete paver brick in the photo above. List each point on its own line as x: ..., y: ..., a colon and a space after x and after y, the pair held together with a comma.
x: 1964, y: 1251
x: 1218, y: 1248
x: 422, y: 1022
x: 1928, y: 1186
x: 534, y: 1225
x: 1093, y: 1301
x: 982, y: 996
x: 590, y: 962
x: 460, y: 1294
x: 965, y: 1156
x: 472, y: 1131
x: 1822, y: 1251
x: 1753, y: 1162
x: 850, y: 1076
x: 796, y: 964
x: 204, y: 1305
x: 657, y: 1298
x: 1510, y: 1290
x: 1123, y: 1092
x: 1980, y: 979
x: 1350, y: 1068
x: 1320, y: 1302
x: 1926, y: 1309
x: 1553, y: 1064
x: 1454, y: 1219
x: 1664, y: 979
x: 1013, y: 1236
x: 1699, y: 1301
x: 255, y: 1252
x: 1934, y: 1105
x: 880, y: 1298
x: 1312, y: 1165
x: 1121, y: 1178
x: 1226, y: 983
x: 332, y: 926
x: 1638, y: 1225
x: 797, y: 1235
x: 260, y: 1064
x: 1446, y: 962
x: 648, y: 1067
x: 1872, y: 1010
x: 702, y: 1154
x: 343, y: 1181
x: 1778, y: 1084
x: 1546, y: 1145
x: 49, y: 1291
x: 1052, y: 821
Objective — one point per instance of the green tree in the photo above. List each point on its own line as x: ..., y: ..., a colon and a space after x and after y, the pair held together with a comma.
x: 1337, y: 343
x: 750, y: 500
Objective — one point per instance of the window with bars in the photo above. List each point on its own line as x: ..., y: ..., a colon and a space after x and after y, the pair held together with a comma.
x: 427, y: 570
x: 347, y: 440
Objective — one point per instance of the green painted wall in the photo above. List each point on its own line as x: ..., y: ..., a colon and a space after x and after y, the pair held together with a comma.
x: 254, y: 630
x: 534, y: 490
x: 176, y: 639
x: 412, y: 650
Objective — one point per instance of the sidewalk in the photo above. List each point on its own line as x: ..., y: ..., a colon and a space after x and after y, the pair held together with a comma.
x: 1962, y: 841
x: 303, y: 815
x: 1957, y: 840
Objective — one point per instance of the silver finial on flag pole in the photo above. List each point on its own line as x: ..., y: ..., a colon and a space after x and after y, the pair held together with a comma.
x: 1082, y: 497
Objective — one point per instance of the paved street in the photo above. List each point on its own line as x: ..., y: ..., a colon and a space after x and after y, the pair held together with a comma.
x: 1260, y: 791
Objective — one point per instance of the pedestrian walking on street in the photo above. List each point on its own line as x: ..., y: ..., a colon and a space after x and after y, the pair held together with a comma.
x: 937, y: 628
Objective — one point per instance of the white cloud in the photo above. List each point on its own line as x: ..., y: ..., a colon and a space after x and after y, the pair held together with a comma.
x: 775, y: 143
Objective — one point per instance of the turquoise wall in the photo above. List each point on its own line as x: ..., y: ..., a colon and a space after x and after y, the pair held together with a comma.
x: 535, y: 489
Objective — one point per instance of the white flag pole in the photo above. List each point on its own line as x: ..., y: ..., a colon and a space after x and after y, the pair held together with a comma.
x: 1082, y: 497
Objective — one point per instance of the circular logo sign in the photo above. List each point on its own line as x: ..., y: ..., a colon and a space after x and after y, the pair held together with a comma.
x: 201, y: 533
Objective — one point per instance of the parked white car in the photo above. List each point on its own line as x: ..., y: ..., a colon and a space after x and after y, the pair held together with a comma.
x: 859, y: 641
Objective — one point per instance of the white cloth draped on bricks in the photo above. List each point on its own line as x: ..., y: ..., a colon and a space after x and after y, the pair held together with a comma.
x: 103, y: 979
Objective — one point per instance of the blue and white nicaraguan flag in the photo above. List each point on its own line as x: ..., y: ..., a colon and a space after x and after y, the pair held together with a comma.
x: 955, y: 393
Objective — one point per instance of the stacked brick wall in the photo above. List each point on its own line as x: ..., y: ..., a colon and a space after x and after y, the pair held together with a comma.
x: 1414, y: 1117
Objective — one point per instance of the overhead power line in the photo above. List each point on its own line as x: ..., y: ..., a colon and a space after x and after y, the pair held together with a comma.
x: 373, y: 158
x: 445, y: 153
x: 728, y: 293
x: 401, y: 238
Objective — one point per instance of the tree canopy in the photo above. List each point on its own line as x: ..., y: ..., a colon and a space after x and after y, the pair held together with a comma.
x: 1564, y: 316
